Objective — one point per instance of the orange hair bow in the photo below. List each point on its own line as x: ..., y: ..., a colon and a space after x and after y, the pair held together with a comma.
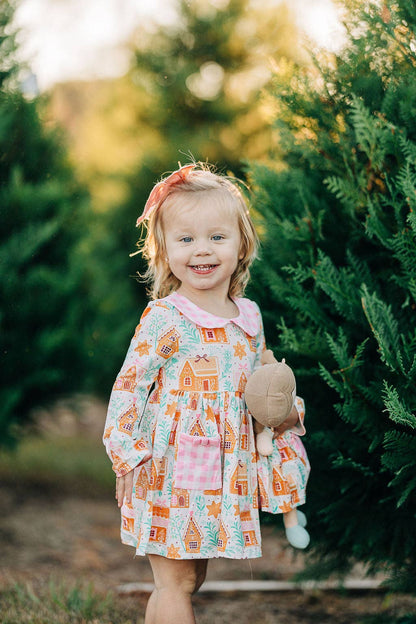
x: 161, y: 190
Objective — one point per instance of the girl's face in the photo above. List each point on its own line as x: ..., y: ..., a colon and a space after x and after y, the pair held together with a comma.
x: 202, y: 246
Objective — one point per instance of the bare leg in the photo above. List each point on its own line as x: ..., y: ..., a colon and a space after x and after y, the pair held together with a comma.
x: 175, y: 582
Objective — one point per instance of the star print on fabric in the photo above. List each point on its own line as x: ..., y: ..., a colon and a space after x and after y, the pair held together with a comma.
x: 171, y: 409
x: 214, y: 509
x: 285, y: 507
x: 143, y: 348
x: 239, y: 350
x: 173, y: 552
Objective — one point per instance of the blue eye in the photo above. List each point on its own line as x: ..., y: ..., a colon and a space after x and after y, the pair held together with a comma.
x: 217, y: 237
x: 186, y: 239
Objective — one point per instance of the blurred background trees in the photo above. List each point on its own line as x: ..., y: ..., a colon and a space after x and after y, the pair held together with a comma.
x: 337, y: 270
x: 43, y: 223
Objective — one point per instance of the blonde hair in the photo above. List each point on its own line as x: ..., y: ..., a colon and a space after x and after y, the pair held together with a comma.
x: 200, y: 183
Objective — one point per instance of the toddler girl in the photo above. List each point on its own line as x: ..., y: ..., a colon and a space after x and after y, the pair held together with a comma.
x: 178, y: 431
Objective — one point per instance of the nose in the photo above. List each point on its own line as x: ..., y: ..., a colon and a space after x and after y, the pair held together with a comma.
x: 202, y: 248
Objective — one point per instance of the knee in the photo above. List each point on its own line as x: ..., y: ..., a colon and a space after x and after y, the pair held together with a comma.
x: 190, y: 581
x: 173, y: 576
x: 184, y: 582
x: 200, y: 577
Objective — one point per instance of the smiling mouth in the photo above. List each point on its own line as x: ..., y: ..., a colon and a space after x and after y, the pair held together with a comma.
x: 203, y: 268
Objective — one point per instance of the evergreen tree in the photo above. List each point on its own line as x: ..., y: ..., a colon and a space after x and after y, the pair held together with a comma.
x: 47, y: 313
x: 337, y: 284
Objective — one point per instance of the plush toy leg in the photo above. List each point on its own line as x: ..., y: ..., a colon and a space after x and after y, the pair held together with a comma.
x: 264, y: 442
x: 296, y: 534
x: 302, y: 520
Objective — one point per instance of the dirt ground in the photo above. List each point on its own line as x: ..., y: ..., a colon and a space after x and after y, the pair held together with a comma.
x: 52, y: 533
x: 76, y: 539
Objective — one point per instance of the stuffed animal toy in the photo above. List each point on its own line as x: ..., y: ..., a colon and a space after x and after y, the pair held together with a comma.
x: 270, y: 393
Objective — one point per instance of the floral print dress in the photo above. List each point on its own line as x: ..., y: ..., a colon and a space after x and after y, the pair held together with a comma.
x: 178, y: 418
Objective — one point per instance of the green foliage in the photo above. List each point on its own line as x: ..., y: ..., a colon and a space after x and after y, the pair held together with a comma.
x: 338, y: 259
x: 8, y: 64
x: 52, y: 326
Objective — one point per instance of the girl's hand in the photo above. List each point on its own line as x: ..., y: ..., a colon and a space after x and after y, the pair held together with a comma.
x: 290, y: 422
x: 124, y: 488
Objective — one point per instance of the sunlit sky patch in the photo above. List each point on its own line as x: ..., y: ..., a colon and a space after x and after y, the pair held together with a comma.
x: 77, y: 40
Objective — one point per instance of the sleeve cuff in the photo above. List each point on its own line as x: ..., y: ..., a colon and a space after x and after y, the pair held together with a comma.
x: 299, y: 428
x: 139, y: 455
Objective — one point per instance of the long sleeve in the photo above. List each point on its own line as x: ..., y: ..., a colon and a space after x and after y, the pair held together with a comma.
x: 154, y: 342
x: 299, y: 428
x: 260, y: 342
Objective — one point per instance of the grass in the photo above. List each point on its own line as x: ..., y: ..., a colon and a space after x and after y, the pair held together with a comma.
x: 76, y: 465
x: 60, y: 604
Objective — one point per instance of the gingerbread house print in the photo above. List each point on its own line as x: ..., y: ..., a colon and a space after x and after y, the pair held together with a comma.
x: 252, y: 343
x: 155, y: 395
x: 142, y: 484
x: 197, y: 429
x: 179, y: 498
x: 193, y: 400
x: 199, y: 374
x: 141, y: 445
x: 244, y: 432
x: 127, y: 381
x: 120, y: 467
x: 211, y: 335
x: 239, y: 480
x: 230, y: 439
x: 223, y: 537
x: 127, y: 420
x: 293, y: 490
x: 280, y: 484
x: 172, y: 435
x: 286, y: 453
x: 127, y: 523
x: 158, y: 474
x: 192, y: 537
x: 168, y: 343
x: 264, y: 497
x: 107, y: 432
x: 160, y: 521
x: 242, y: 383
x: 249, y: 532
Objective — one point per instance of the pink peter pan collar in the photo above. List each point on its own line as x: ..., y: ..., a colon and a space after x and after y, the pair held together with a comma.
x: 248, y: 318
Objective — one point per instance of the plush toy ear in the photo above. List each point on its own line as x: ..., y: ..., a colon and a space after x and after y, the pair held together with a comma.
x: 267, y: 357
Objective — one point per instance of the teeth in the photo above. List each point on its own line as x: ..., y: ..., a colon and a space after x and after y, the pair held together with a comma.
x: 203, y: 267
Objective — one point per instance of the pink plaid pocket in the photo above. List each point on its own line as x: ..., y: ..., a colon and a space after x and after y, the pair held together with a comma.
x: 198, y: 464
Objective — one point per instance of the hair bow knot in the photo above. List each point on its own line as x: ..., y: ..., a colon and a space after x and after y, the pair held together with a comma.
x: 160, y: 191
